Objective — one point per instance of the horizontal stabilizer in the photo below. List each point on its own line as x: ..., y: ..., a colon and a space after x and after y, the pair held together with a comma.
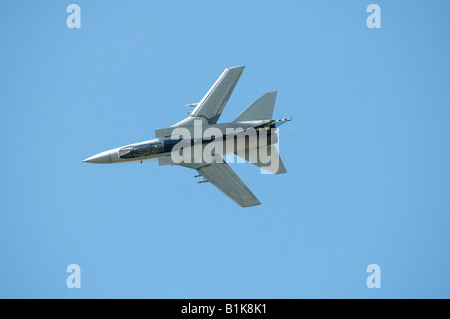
x: 269, y: 161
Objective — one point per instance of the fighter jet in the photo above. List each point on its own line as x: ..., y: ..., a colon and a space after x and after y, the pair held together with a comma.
x: 199, y: 143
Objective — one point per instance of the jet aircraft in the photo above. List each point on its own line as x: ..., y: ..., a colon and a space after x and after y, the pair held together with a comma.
x: 252, y: 132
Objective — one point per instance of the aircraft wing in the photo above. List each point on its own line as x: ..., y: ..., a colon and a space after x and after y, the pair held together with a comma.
x: 213, y: 103
x: 224, y: 178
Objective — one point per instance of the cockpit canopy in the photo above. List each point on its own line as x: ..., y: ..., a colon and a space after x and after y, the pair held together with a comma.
x: 141, y: 150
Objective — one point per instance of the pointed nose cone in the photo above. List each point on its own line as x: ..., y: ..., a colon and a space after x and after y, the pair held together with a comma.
x: 101, y: 158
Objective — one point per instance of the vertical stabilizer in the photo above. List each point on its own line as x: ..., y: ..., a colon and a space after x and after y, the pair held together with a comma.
x: 261, y: 109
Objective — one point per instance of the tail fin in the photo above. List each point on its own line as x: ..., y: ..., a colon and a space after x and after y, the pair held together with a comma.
x: 261, y: 109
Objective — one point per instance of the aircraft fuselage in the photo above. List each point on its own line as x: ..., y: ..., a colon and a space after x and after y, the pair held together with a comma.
x: 251, y: 138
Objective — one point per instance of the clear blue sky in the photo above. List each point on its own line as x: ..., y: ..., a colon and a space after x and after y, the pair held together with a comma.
x: 367, y: 153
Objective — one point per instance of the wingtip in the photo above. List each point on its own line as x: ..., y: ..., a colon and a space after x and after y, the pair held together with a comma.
x: 237, y: 68
x: 252, y: 204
